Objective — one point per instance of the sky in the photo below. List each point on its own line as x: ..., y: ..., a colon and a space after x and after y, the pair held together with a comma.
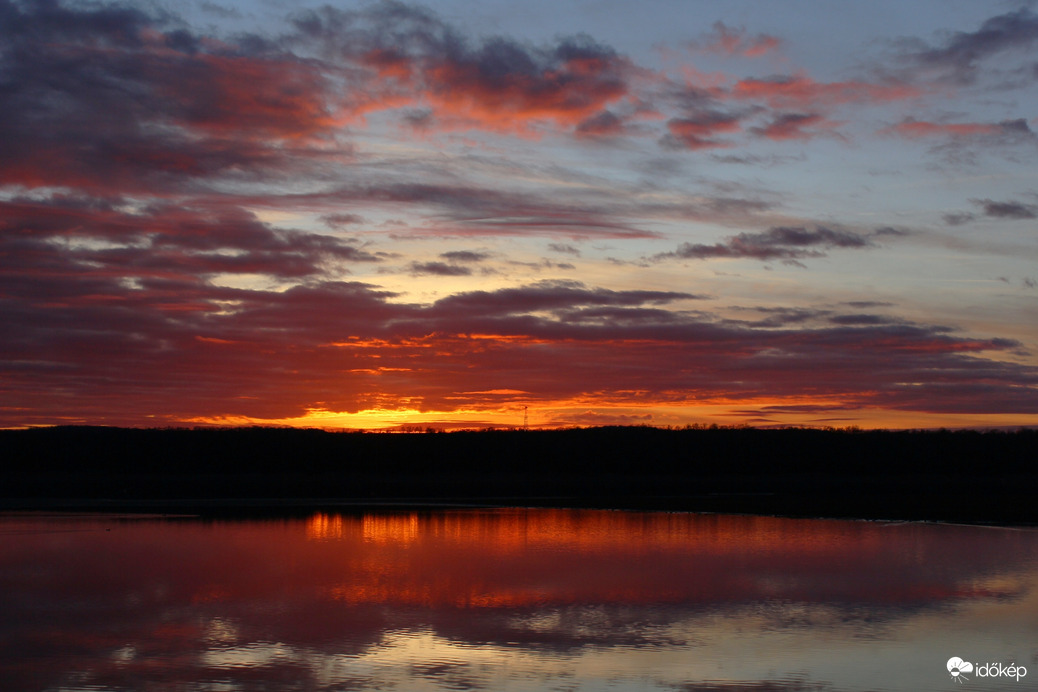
x: 469, y: 214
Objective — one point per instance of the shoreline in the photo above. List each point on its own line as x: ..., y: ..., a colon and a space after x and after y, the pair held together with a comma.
x: 274, y: 508
x: 958, y: 477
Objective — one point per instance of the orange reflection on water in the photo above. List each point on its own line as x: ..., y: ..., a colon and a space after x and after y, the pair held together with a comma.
x: 390, y: 528
x: 504, y: 531
x: 513, y: 558
x: 325, y: 527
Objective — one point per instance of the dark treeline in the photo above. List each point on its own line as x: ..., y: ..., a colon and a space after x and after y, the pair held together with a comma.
x: 949, y: 475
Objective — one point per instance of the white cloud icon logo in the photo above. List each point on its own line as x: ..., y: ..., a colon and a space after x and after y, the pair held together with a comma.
x: 956, y: 666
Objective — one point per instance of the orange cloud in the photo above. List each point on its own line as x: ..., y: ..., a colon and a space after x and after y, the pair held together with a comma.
x: 802, y: 92
x: 922, y: 128
x: 567, y: 94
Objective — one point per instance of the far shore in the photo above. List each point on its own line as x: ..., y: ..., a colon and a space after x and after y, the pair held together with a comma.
x: 950, y: 476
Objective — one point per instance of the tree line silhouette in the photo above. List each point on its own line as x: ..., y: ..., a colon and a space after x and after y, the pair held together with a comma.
x: 963, y: 475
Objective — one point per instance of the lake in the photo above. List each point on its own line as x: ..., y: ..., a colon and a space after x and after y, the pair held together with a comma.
x: 514, y: 599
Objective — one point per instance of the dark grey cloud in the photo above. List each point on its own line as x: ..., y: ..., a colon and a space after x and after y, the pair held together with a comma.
x: 1018, y: 127
x: 777, y: 243
x: 221, y: 11
x: 1007, y: 210
x: 891, y: 231
x: 465, y: 256
x: 958, y: 218
x: 865, y: 304
x: 542, y: 265
x: 549, y: 295
x: 861, y: 320
x: 438, y: 269
x: 782, y: 317
x: 341, y: 220
x: 420, y: 118
x: 963, y: 143
x: 173, y: 240
x: 702, y: 129
x: 564, y: 249
x: 602, y: 124
x: 471, y: 210
x: 117, y: 98
x: 756, y: 160
x: 958, y: 57
x: 783, y: 126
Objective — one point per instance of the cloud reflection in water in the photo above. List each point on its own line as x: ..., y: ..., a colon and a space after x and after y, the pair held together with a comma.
x: 509, y: 599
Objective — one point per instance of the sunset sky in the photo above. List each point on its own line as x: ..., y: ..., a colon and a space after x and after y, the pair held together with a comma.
x: 369, y: 215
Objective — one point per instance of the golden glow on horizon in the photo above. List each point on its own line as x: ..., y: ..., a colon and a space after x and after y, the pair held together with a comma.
x: 590, y: 413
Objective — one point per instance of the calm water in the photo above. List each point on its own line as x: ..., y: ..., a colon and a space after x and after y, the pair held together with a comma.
x: 512, y: 600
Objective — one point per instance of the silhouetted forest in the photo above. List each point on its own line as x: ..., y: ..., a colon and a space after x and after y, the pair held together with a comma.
x: 945, y: 475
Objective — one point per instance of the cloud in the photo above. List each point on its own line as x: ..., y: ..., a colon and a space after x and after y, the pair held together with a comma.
x: 1007, y: 210
x: 779, y: 107
x: 1007, y: 129
x: 782, y: 317
x: 603, y: 124
x: 780, y: 242
x: 800, y: 92
x: 564, y: 249
x: 438, y: 269
x: 340, y: 220
x: 996, y: 210
x: 891, y: 232
x: 959, y: 143
x: 567, y: 82
x: 755, y: 160
x: 699, y: 130
x: 120, y: 99
x: 420, y: 60
x: 958, y: 219
x: 869, y: 304
x: 465, y: 256
x: 785, y: 126
x: 957, y: 59
x: 166, y: 240
x: 862, y: 320
x: 468, y: 210
x: 115, y: 99
x: 349, y: 346
x: 735, y: 41
x: 548, y: 295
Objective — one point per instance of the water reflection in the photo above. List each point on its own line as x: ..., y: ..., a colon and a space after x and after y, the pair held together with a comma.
x: 510, y: 599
